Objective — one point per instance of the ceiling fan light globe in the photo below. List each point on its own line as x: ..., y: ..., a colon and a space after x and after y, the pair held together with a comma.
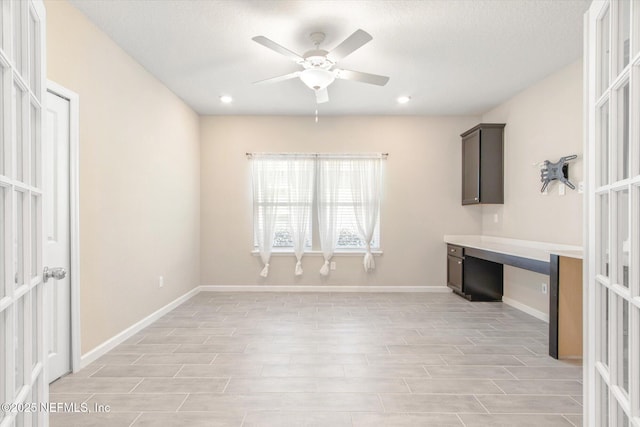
x: 317, y: 79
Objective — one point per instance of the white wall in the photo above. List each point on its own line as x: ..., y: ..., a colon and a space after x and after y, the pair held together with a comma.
x: 139, y: 178
x: 421, y: 203
x: 544, y: 122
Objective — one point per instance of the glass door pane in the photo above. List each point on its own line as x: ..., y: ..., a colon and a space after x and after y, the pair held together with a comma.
x: 603, y: 235
x: 3, y: 254
x: 623, y: 343
x: 35, y: 323
x: 3, y: 360
x: 18, y: 342
x: 18, y: 30
x: 3, y: 89
x: 602, y: 410
x: 34, y: 54
x: 19, y: 240
x: 35, y: 235
x: 622, y: 133
x: 622, y: 237
x: 624, y: 27
x: 603, y: 317
x: 603, y: 142
x: 34, y: 163
x: 603, y: 52
x: 18, y: 131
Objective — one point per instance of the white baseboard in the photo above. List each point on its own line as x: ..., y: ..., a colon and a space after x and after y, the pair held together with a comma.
x: 118, y: 339
x: 529, y: 310
x: 314, y: 288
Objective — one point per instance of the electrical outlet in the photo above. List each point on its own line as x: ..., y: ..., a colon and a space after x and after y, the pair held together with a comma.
x: 333, y: 265
x: 543, y: 288
x: 160, y: 281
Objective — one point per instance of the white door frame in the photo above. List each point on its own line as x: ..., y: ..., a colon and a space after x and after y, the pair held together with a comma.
x: 74, y: 212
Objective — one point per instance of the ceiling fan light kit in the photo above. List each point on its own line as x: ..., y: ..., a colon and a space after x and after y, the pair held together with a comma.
x: 319, y: 65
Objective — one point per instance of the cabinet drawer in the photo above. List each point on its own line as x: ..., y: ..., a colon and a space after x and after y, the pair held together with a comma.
x: 455, y: 250
x: 455, y: 272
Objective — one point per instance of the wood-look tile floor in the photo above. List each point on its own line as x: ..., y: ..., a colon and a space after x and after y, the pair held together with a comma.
x: 330, y: 359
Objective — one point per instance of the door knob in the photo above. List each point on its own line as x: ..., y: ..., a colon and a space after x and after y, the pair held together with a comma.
x: 57, y: 273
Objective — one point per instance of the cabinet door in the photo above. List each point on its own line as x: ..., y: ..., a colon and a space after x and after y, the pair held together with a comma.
x: 471, y: 168
x: 454, y: 272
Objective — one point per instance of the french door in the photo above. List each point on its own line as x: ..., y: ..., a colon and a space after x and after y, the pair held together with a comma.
x: 612, y: 365
x: 22, y: 85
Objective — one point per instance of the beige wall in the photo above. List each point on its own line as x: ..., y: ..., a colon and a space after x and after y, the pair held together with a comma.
x: 544, y: 122
x: 139, y: 178
x: 421, y: 202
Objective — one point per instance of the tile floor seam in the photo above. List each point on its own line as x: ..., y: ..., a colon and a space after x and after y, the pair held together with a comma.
x: 384, y: 410
x: 136, y: 419
x: 497, y: 386
x: 224, y: 389
x: 183, y: 401
x: 461, y: 420
x: 136, y: 386
x: 214, y: 359
x: 481, y: 404
x: 407, y: 384
x: 139, y: 357
x: 568, y: 420
x: 175, y: 375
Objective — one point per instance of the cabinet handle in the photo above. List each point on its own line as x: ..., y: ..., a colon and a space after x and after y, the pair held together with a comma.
x: 453, y: 250
x: 459, y: 262
x: 475, y: 198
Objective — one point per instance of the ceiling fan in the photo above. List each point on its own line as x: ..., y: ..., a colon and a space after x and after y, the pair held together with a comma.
x: 319, y: 65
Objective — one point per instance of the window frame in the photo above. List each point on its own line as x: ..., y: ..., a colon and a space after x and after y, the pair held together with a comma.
x: 314, y: 247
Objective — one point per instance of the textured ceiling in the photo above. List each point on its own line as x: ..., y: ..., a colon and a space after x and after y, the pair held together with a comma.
x: 451, y: 57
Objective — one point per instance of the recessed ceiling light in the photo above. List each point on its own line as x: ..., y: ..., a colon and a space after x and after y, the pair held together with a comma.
x: 403, y: 99
x: 226, y: 99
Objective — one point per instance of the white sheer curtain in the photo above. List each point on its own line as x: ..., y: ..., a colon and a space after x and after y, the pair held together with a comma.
x: 328, y: 186
x: 366, y: 189
x: 300, y: 177
x: 267, y: 184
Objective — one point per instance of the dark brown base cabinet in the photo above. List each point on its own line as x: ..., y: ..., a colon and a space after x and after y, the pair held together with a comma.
x: 473, y: 278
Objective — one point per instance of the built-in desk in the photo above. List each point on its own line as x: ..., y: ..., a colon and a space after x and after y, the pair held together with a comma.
x: 481, y: 279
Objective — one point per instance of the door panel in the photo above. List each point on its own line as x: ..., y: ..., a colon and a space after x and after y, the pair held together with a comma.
x: 22, y: 364
x: 612, y: 388
x: 471, y: 168
x: 56, y: 219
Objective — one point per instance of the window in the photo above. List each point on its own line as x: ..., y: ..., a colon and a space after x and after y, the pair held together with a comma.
x: 288, y: 189
x: 273, y: 196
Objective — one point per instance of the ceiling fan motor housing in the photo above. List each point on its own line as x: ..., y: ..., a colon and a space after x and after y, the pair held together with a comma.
x: 317, y: 59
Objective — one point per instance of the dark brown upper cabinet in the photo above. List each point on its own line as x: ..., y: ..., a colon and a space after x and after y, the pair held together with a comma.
x: 483, y: 164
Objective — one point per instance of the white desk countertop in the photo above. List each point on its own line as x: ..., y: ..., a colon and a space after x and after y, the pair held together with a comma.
x: 522, y: 248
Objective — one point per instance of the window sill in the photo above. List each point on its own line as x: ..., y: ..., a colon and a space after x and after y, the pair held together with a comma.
x: 354, y: 252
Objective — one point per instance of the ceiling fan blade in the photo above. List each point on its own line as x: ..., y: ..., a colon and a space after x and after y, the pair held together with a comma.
x: 359, y: 76
x: 277, y: 48
x: 322, y: 96
x: 353, y: 42
x: 278, y: 78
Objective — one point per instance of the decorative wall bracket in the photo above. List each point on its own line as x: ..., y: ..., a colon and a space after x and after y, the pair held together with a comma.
x: 556, y: 171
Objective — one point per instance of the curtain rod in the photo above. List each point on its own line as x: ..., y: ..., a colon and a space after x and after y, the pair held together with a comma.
x: 383, y: 155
